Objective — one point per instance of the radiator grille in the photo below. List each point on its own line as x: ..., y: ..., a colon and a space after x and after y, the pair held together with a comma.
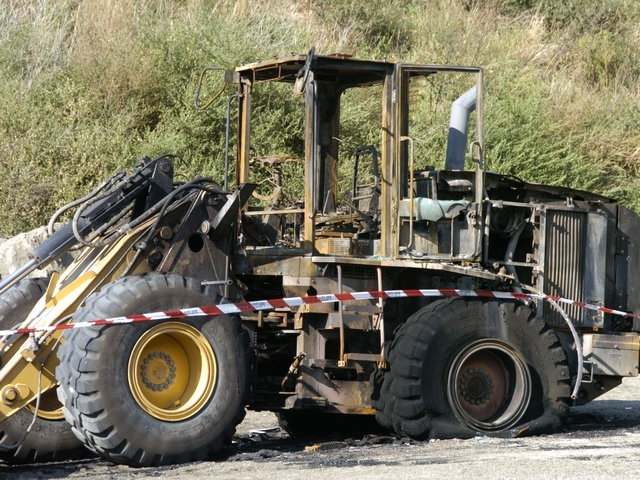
x: 564, y: 262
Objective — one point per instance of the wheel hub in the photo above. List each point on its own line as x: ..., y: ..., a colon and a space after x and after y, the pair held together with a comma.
x: 50, y: 406
x: 489, y: 385
x: 158, y: 371
x: 476, y: 386
x: 172, y: 371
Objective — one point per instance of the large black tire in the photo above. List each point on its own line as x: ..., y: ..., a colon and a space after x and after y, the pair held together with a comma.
x: 460, y: 367
x: 19, y: 299
x: 115, y: 399
x: 51, y: 436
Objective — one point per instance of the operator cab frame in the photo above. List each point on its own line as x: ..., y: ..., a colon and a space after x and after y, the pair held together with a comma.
x: 322, y: 81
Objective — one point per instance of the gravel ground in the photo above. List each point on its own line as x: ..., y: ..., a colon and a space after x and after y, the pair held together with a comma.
x: 600, y: 440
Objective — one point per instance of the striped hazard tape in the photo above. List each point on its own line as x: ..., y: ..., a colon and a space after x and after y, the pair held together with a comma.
x: 239, y: 307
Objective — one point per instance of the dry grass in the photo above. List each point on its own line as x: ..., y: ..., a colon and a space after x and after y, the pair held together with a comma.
x: 86, y: 87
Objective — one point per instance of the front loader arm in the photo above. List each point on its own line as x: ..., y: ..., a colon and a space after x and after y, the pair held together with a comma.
x: 150, y: 181
x: 155, y: 236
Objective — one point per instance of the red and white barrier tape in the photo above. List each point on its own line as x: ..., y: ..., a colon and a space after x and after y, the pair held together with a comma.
x: 233, y: 308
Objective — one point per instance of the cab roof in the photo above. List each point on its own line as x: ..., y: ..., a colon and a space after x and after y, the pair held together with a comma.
x: 325, y: 67
x: 337, y: 68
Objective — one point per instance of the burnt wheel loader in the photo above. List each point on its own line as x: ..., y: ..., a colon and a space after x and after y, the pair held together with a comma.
x: 333, y: 210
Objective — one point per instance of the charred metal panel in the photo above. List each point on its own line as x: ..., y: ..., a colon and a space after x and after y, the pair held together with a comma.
x: 595, y: 268
x: 628, y: 261
x: 317, y: 388
x: 615, y: 355
x: 610, y: 298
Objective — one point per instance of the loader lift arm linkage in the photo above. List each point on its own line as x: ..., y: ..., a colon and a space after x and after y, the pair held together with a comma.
x: 130, y: 225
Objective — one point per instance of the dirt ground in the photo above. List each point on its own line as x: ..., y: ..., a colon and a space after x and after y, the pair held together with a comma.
x: 600, y: 440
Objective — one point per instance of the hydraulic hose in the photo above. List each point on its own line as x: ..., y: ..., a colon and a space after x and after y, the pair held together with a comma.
x: 574, y: 333
x: 194, y: 184
x: 104, y: 185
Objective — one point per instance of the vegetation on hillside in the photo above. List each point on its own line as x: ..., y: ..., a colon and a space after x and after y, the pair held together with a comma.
x: 87, y: 86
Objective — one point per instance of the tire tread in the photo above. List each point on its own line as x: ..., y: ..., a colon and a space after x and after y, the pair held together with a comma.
x: 83, y: 405
x: 401, y: 404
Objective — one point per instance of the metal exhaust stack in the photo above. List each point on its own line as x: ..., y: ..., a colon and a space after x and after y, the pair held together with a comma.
x: 459, y: 130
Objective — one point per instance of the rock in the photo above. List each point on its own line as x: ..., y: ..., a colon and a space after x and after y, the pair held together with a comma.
x: 14, y: 252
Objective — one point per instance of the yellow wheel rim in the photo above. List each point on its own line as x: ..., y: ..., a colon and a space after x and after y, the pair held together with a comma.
x: 172, y: 371
x: 50, y: 407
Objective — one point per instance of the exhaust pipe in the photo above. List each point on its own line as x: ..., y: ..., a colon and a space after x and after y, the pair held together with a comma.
x: 459, y: 130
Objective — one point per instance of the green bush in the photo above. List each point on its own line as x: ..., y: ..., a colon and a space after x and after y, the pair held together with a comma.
x: 86, y: 87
